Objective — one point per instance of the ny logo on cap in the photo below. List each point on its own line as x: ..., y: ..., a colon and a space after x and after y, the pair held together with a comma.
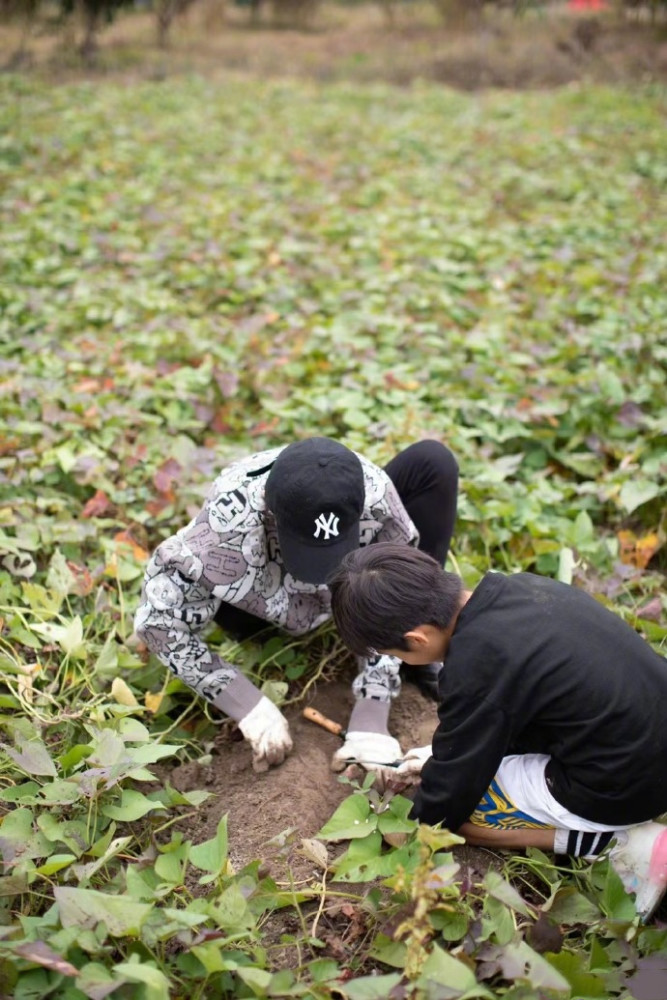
x: 328, y: 525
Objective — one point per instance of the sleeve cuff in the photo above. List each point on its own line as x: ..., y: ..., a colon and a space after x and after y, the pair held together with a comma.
x: 238, y: 698
x: 369, y: 716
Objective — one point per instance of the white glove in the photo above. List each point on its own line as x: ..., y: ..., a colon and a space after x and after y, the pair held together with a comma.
x: 372, y: 752
x: 265, y: 727
x: 413, y: 761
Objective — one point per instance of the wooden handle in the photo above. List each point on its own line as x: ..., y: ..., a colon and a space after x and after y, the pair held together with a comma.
x: 321, y: 720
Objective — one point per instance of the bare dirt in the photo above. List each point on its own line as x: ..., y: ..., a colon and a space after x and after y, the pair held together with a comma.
x: 298, y: 796
x: 270, y: 814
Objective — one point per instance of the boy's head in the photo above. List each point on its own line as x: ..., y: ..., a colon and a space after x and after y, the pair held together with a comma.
x: 394, y: 599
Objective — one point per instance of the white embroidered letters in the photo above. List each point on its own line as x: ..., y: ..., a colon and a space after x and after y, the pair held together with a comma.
x: 327, y: 524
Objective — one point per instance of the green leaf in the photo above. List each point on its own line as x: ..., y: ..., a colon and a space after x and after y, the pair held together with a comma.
x: 231, y: 911
x: 520, y: 963
x: 85, y: 872
x: 323, y: 970
x: 141, y: 884
x: 86, y: 908
x: 389, y: 951
x: 635, y: 492
x: 500, y: 889
x: 566, y: 565
x: 96, y: 981
x: 497, y: 921
x: 32, y: 757
x: 211, y: 855
x: 370, y: 987
x: 55, y: 863
x: 61, y: 792
x: 362, y: 860
x: 353, y: 819
x: 213, y: 958
x: 582, y: 531
x: 41, y: 599
x: 275, y: 690
x: 27, y: 793
x: 106, y: 664
x: 12, y: 885
x: 133, y: 731
x: 73, y: 833
x: 59, y: 577
x: 395, y: 818
x: 32, y: 985
x: 150, y: 753
x: 170, y: 865
x: 356, y: 419
x: 156, y: 983
x: 18, y: 839
x: 450, y: 923
x: 615, y: 901
x: 584, y: 984
x: 438, y: 840
x: 569, y: 907
x: 257, y: 979
x: 440, y: 967
x: 69, y: 637
x: 133, y: 805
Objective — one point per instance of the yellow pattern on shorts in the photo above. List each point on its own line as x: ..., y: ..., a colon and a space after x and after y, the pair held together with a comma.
x: 496, y: 812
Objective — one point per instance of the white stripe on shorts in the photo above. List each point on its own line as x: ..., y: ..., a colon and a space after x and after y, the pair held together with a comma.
x: 521, y: 777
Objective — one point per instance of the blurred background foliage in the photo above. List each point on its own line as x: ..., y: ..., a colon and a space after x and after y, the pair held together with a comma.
x: 468, y: 43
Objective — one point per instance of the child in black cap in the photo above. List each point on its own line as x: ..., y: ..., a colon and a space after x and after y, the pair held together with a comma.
x: 259, y: 551
x: 553, y: 711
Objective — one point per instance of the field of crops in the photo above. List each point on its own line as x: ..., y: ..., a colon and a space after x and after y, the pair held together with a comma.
x: 196, y: 270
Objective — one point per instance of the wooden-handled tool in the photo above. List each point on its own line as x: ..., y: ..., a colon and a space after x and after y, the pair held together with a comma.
x: 321, y: 720
x: 335, y: 727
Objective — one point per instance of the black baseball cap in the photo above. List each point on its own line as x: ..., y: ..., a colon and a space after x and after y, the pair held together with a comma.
x: 316, y: 491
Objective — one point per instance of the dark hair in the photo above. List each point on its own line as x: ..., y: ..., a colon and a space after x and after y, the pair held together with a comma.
x: 381, y: 592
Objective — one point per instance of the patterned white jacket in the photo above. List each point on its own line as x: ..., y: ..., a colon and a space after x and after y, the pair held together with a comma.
x: 230, y: 552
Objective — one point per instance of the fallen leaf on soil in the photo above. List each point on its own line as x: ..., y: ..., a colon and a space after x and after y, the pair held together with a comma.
x: 97, y: 506
x: 638, y: 551
x: 124, y: 538
x: 84, y: 582
x: 652, y: 611
x: 153, y: 701
x: 164, y: 478
x: 41, y: 954
x: 122, y: 693
x: 316, y: 852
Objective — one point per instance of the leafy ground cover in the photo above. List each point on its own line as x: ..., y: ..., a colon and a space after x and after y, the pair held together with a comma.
x: 193, y: 272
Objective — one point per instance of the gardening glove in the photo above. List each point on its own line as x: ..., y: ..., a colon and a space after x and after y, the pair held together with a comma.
x: 409, y: 771
x: 265, y: 727
x: 370, y: 752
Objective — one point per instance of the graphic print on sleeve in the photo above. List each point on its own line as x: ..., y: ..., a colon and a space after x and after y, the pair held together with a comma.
x: 229, y: 552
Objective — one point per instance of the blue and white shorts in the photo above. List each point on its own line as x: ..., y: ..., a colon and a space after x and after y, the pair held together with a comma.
x: 519, y: 799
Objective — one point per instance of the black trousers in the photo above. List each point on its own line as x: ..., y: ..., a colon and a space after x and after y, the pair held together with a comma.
x: 426, y: 477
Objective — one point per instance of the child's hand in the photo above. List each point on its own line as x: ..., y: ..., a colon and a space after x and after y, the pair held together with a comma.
x: 413, y: 761
x: 371, y: 751
x: 267, y: 731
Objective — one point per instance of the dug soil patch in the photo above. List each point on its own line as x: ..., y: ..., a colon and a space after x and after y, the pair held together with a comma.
x: 301, y: 794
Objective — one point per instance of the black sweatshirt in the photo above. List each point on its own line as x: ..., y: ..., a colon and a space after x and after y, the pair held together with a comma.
x: 535, y: 666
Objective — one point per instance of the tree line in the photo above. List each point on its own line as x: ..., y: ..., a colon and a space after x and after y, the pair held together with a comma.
x: 83, y: 20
